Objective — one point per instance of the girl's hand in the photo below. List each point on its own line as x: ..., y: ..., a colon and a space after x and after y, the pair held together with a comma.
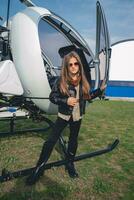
x: 72, y: 101
x: 103, y: 85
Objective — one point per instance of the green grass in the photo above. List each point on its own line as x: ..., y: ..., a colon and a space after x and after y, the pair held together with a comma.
x: 106, y: 177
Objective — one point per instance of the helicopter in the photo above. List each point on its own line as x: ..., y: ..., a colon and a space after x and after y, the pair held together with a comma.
x: 32, y: 46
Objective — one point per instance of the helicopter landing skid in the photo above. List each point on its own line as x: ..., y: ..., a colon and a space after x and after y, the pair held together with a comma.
x: 7, y: 175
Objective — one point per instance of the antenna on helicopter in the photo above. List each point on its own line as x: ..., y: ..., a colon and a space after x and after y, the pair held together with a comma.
x: 27, y: 3
x: 8, y: 11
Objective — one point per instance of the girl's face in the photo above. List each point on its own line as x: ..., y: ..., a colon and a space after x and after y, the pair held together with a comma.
x: 73, y: 66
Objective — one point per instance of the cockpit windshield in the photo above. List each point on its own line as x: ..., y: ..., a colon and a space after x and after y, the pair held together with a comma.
x: 54, y: 34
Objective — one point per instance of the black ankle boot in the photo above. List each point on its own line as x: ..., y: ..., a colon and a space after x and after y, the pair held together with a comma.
x: 70, y: 164
x: 71, y: 170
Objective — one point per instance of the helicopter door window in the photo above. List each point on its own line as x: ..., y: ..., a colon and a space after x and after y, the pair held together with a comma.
x: 51, y: 40
x: 103, y: 51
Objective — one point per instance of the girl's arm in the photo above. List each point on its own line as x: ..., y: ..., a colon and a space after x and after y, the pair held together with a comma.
x: 98, y: 92
x: 56, y: 97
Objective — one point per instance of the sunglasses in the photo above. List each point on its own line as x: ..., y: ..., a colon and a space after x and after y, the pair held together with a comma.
x: 75, y: 64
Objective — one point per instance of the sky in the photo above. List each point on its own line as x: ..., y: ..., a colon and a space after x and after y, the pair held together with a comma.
x: 81, y: 14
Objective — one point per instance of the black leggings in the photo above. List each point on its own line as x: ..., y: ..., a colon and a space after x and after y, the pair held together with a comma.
x: 60, y: 124
x: 74, y: 126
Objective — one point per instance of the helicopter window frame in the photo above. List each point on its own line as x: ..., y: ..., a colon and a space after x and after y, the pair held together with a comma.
x: 70, y: 33
x: 75, y: 32
x: 67, y: 32
x: 54, y: 25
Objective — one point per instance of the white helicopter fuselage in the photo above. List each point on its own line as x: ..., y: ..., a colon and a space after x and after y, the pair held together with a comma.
x: 27, y: 57
x: 38, y: 40
x: 27, y: 54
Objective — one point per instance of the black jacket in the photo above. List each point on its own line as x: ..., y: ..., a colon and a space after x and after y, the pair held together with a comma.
x: 60, y: 99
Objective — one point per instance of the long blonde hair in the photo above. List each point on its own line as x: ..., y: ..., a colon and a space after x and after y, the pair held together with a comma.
x: 65, y: 78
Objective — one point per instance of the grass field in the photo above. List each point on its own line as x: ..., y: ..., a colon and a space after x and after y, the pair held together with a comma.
x: 106, y: 177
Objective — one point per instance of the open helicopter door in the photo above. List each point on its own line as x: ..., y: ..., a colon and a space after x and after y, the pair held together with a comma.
x: 103, y: 50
